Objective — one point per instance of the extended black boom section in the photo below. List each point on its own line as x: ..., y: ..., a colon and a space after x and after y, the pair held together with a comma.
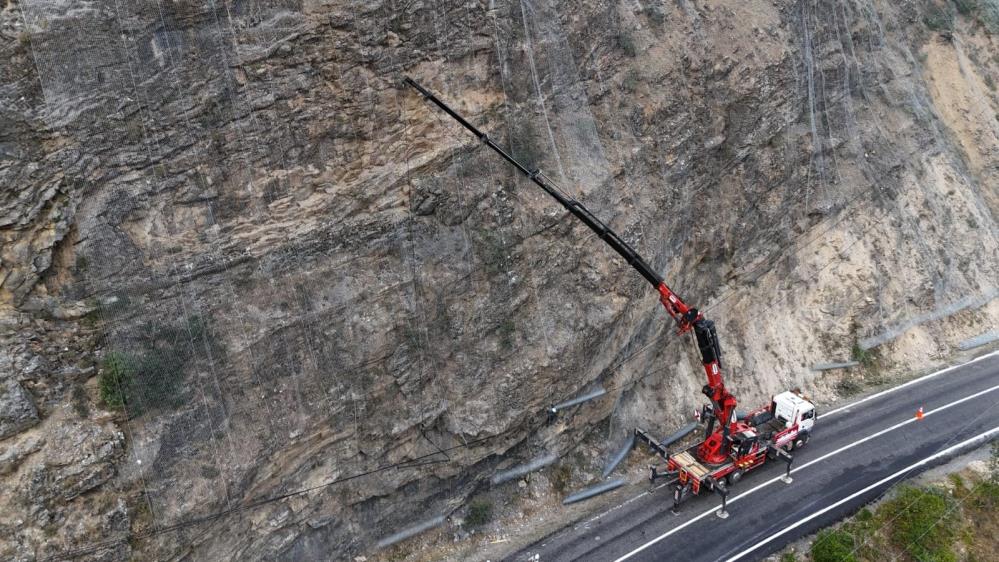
x: 573, y: 206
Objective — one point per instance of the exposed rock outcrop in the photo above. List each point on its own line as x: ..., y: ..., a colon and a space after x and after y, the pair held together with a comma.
x: 17, y: 411
x: 240, y: 260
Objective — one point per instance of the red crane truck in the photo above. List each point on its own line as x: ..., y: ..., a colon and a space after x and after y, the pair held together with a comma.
x: 732, y: 446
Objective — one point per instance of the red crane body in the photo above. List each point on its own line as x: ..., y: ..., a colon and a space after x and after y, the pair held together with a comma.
x: 713, y: 450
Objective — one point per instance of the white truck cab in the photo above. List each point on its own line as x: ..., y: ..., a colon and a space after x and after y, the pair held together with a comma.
x: 791, y: 408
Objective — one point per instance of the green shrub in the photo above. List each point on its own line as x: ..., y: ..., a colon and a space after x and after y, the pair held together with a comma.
x: 858, y: 353
x: 561, y: 477
x: 863, y: 527
x: 924, y: 523
x: 833, y: 545
x: 957, y: 482
x: 480, y: 512
x: 987, y: 491
x: 966, y: 7
x: 627, y: 44
x: 655, y: 14
x: 156, y: 380
x: 506, y: 331
x: 987, y: 496
x: 848, y: 387
x: 116, y: 377
x: 868, y: 358
x: 631, y: 81
x: 939, y: 18
x: 988, y: 14
x: 151, y: 376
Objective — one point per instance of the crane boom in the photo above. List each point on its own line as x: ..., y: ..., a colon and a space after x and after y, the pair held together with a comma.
x: 686, y: 317
x: 570, y: 204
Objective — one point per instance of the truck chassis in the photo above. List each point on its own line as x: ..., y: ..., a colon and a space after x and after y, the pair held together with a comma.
x: 762, y: 435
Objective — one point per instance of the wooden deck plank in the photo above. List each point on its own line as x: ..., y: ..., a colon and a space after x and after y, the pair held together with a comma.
x: 690, y: 464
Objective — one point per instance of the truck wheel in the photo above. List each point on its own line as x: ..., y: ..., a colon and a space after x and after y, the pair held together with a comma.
x: 734, y: 477
x: 801, y: 441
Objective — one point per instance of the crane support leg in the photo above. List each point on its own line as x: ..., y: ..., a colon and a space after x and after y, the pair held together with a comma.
x: 679, y: 493
x: 780, y: 453
x: 722, y: 491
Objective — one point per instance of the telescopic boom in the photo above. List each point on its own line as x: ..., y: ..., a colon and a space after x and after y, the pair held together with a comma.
x: 573, y: 206
x: 687, y: 318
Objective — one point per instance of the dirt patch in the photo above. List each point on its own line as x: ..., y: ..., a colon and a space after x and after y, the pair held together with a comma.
x: 964, y: 101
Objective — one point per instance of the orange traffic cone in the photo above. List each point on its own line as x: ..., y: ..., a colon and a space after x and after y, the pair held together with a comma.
x: 919, y: 413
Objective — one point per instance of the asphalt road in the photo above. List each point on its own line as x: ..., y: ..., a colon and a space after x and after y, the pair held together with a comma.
x: 854, y: 455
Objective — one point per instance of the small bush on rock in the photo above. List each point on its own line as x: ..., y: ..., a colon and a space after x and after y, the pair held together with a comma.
x: 480, y: 512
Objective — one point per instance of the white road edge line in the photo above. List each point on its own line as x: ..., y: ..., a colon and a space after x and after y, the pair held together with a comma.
x: 983, y: 437
x: 824, y: 416
x: 802, y: 467
x: 910, y: 383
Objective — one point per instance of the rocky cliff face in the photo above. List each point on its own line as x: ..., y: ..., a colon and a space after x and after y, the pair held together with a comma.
x: 240, y: 260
